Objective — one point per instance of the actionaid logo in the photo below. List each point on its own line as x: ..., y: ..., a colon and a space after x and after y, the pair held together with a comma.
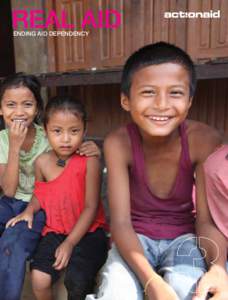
x: 36, y: 19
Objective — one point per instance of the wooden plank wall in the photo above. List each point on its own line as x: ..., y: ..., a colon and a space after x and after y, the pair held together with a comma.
x: 210, y: 105
x: 142, y: 22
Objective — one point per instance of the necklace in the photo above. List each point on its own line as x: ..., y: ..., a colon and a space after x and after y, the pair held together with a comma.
x: 61, y: 162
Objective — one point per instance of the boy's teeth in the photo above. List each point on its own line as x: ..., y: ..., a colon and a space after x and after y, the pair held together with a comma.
x: 160, y: 118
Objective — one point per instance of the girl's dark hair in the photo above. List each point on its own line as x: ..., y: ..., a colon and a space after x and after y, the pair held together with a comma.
x: 65, y: 103
x: 23, y: 80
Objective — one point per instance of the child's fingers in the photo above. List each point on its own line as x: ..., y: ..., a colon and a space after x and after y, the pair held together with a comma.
x: 86, y: 143
x: 22, y: 129
x: 89, y: 148
x: 61, y: 264
x: 87, y: 153
x: 66, y: 262
x: 57, y: 262
x: 30, y: 221
x: 9, y: 223
x: 57, y: 252
x: 58, y: 257
x: 17, y: 127
x: 201, y: 290
x: 12, y: 222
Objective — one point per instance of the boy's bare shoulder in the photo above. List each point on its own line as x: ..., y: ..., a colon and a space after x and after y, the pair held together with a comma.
x: 203, y: 139
x: 118, y: 137
x: 199, y: 130
x: 118, y: 141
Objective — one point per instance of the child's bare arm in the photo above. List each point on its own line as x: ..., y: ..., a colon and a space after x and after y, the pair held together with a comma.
x: 9, y: 172
x: 33, y: 206
x: 211, y: 240
x: 117, y: 159
x: 87, y: 216
x: 206, y: 141
x: 214, y: 246
x: 26, y: 215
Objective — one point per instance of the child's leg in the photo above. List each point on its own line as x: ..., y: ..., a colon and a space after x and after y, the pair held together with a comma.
x: 86, y: 260
x: 43, y: 273
x: 16, y: 245
x: 41, y: 284
x: 183, y: 265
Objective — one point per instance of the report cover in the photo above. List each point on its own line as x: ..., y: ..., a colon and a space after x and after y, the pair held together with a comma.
x: 78, y: 48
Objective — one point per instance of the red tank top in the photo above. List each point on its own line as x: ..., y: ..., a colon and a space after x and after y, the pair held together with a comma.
x: 62, y: 199
x: 152, y: 216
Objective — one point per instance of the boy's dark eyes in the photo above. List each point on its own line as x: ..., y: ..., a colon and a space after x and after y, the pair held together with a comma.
x: 177, y: 93
x: 148, y: 92
x: 10, y: 104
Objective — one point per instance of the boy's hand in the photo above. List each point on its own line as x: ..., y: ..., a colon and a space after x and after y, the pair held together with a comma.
x: 17, y: 134
x: 160, y: 290
x: 25, y: 216
x: 62, y: 255
x: 214, y: 282
x: 89, y: 148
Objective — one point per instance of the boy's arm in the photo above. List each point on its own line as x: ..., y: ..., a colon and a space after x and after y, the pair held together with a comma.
x: 211, y: 240
x: 206, y: 140
x: 87, y: 216
x: 116, y: 151
x: 213, y: 245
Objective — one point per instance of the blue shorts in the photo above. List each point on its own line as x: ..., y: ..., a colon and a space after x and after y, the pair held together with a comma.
x: 178, y: 261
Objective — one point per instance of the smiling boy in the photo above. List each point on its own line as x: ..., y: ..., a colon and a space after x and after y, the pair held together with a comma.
x: 151, y: 164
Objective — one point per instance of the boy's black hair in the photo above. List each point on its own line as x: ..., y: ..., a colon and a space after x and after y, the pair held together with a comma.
x: 156, y: 54
x: 65, y: 103
x: 31, y: 82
